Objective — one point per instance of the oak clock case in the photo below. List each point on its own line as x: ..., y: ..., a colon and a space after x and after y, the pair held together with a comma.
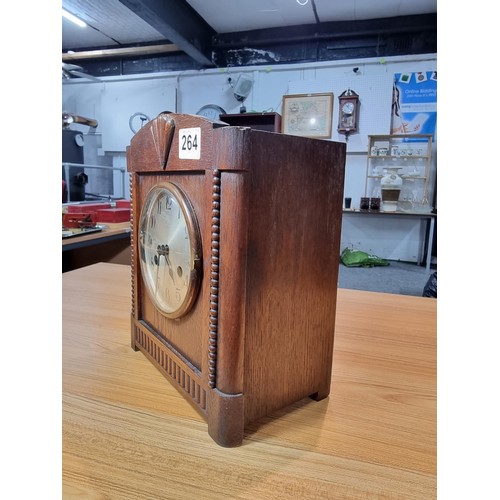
x: 248, y: 333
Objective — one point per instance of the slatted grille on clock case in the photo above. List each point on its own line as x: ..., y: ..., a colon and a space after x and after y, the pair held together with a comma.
x: 171, y: 367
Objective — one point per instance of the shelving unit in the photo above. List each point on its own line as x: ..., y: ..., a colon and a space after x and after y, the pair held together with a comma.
x: 411, y: 154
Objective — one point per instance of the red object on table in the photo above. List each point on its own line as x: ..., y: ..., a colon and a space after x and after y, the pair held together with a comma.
x: 113, y: 215
x: 122, y: 203
x: 88, y: 207
x: 79, y: 219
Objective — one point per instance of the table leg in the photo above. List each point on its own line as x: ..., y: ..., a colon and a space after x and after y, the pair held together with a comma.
x: 429, y: 245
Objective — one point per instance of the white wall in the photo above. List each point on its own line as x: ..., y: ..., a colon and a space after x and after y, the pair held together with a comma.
x: 114, y: 100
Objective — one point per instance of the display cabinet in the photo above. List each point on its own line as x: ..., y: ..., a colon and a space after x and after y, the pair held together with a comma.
x: 407, y: 157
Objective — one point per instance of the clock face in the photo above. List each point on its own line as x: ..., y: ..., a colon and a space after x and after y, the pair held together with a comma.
x: 348, y: 108
x: 170, y: 250
x: 211, y: 111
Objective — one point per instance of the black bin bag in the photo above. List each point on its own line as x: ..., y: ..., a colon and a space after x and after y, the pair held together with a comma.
x: 431, y: 287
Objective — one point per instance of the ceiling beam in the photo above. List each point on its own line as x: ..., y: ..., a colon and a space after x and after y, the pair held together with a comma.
x: 327, y: 41
x: 326, y: 31
x: 121, y: 52
x: 178, y: 22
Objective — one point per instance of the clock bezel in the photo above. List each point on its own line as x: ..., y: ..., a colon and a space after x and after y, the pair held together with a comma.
x: 195, y: 246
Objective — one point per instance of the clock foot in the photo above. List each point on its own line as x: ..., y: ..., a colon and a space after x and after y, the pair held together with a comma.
x: 226, y: 418
x: 321, y: 394
x: 133, y: 335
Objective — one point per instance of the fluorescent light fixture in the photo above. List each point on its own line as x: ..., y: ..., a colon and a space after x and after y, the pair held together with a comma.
x: 73, y: 18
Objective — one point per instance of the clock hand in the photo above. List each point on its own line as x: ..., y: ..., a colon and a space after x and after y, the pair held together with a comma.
x: 170, y: 268
x: 164, y: 250
x: 157, y: 272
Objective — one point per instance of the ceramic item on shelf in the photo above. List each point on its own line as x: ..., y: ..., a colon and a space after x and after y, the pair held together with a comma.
x: 391, y: 184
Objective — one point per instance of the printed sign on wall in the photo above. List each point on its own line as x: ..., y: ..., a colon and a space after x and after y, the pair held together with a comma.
x: 414, y: 103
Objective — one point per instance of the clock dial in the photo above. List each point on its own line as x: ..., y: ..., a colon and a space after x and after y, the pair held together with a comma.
x: 169, y: 248
x: 348, y: 108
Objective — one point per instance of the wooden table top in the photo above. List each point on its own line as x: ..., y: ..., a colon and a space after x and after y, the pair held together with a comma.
x: 357, y: 211
x: 129, y: 434
x: 109, y: 230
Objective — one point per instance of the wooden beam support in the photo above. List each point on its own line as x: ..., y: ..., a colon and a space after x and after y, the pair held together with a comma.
x: 178, y: 22
x: 121, y: 52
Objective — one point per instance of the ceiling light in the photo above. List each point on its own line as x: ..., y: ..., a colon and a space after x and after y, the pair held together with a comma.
x: 73, y: 18
x: 302, y: 2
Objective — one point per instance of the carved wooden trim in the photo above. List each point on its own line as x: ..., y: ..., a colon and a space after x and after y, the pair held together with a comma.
x: 132, y: 239
x: 150, y: 147
x: 214, y: 280
x: 162, y: 134
x: 171, y: 366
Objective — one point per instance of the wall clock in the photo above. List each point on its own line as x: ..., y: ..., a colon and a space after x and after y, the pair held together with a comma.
x: 211, y: 111
x: 79, y: 140
x: 137, y: 120
x: 234, y: 272
x: 348, y: 112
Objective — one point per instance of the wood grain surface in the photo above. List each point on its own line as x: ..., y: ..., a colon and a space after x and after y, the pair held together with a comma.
x: 129, y: 434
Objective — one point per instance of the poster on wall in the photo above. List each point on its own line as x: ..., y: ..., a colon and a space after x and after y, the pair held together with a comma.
x: 307, y: 115
x: 414, y: 103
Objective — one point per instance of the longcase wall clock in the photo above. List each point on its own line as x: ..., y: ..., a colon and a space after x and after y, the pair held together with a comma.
x: 348, y: 112
x: 235, y: 244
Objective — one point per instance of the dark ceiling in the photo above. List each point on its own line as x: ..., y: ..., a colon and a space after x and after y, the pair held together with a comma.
x: 145, y: 36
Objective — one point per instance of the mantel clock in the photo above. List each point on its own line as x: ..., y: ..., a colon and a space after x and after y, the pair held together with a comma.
x: 235, y: 244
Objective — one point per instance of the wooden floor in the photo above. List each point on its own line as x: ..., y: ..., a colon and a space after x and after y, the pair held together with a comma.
x: 129, y: 434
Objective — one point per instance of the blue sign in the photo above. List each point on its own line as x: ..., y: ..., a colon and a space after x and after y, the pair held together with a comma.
x: 414, y: 103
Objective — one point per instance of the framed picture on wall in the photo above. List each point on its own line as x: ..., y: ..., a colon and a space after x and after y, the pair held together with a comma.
x: 307, y: 115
